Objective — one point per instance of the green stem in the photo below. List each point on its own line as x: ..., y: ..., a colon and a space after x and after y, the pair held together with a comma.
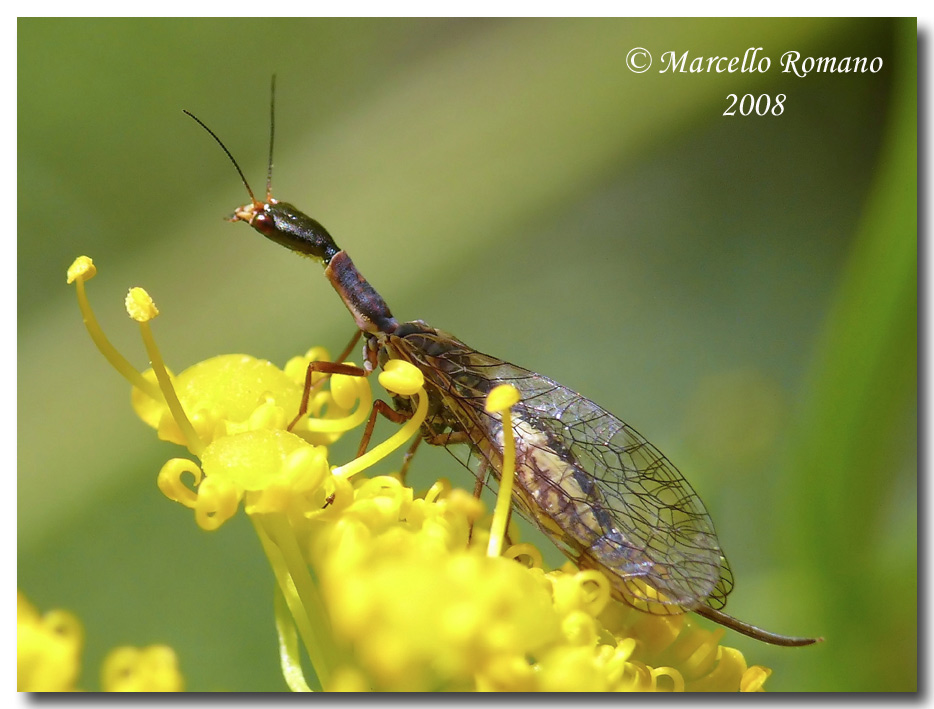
x: 288, y: 646
x: 299, y: 591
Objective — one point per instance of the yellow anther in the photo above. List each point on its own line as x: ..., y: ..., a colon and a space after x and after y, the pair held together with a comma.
x: 345, y: 390
x: 139, y: 305
x: 83, y: 268
x: 501, y: 398
x: 400, y: 377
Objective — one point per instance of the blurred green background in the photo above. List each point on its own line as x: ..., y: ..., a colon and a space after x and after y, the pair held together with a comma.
x: 743, y: 291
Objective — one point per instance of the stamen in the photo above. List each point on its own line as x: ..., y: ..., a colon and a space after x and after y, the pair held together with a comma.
x: 344, y: 389
x: 398, y: 377
x: 140, y: 307
x: 499, y: 401
x: 81, y: 270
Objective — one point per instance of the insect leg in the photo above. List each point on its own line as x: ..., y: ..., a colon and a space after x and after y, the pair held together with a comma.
x: 349, y: 348
x: 437, y: 439
x: 326, y: 368
x: 483, y: 471
x: 447, y: 439
x: 306, y: 391
x: 483, y: 474
x: 380, y: 407
x: 407, y: 458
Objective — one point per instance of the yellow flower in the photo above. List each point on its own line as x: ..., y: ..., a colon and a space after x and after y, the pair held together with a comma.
x: 48, y: 657
x: 386, y: 588
x: 48, y: 649
x: 152, y: 669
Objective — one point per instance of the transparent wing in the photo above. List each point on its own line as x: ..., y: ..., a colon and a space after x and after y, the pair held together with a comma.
x: 600, y: 490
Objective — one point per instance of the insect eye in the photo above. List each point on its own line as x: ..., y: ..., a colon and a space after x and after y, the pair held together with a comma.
x: 263, y: 223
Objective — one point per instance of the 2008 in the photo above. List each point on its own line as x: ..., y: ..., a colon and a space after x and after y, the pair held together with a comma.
x: 762, y: 105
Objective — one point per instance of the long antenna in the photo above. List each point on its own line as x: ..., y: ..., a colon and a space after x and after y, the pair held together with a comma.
x: 221, y: 143
x: 272, y: 136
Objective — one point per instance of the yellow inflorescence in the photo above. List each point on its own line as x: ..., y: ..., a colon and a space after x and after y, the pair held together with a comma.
x: 151, y: 669
x: 392, y: 590
x: 48, y: 649
x: 48, y: 657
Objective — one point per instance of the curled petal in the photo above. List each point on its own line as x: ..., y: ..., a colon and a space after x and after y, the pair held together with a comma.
x: 702, y: 660
x: 587, y: 590
x: 570, y: 669
x: 303, y: 470
x: 268, y: 415
x: 695, y: 653
x: 729, y: 672
x: 381, y: 501
x: 526, y: 554
x: 754, y: 678
x: 440, y: 489
x: 579, y: 628
x: 594, y: 590
x: 217, y: 502
x: 306, y: 468
x: 667, y: 678
x: 637, y: 678
x: 171, y: 485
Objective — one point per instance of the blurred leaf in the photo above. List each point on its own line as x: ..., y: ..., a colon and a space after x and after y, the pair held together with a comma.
x: 855, y: 460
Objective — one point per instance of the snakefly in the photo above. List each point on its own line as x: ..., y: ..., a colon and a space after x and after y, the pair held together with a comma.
x: 605, y: 495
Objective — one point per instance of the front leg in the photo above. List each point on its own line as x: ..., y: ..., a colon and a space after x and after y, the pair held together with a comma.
x: 325, y: 368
